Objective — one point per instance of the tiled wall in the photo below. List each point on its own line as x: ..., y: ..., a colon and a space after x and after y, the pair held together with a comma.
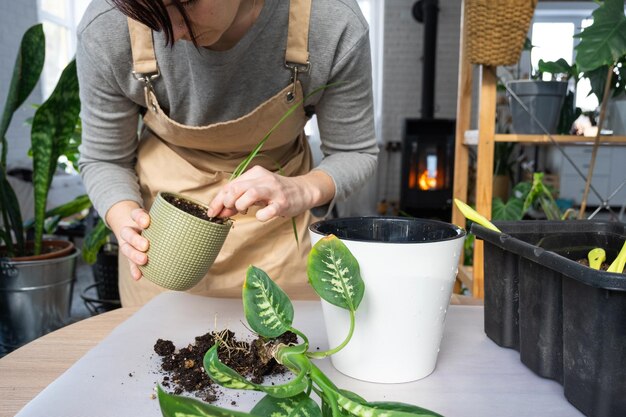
x: 402, y: 69
x: 15, y: 18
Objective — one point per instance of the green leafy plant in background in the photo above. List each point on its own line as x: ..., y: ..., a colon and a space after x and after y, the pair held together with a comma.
x: 334, y: 274
x: 569, y: 111
x: 53, y: 126
x: 525, y: 196
x: 602, y: 46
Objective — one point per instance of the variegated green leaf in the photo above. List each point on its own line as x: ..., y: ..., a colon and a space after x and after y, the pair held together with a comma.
x: 382, y: 409
x: 334, y: 273
x: 406, y: 408
x: 53, y: 126
x: 26, y: 73
x: 179, y: 406
x: 224, y: 375
x: 327, y: 410
x: 94, y: 240
x: 229, y: 378
x: 267, y: 308
x: 300, y: 405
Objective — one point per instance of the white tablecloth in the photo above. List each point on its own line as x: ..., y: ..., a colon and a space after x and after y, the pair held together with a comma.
x: 474, y: 377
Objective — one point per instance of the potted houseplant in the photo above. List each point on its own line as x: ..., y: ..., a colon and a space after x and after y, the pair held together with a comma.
x: 535, y: 103
x: 335, y: 275
x: 541, y: 99
x: 403, y: 299
x: 28, y: 281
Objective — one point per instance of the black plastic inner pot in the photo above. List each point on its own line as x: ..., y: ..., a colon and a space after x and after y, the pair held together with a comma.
x: 388, y: 229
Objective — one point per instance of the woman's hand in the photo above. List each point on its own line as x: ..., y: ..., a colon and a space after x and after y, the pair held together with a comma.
x: 279, y: 195
x: 126, y: 219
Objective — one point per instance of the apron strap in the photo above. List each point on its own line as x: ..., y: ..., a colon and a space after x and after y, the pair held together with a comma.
x: 298, y: 34
x: 144, y: 59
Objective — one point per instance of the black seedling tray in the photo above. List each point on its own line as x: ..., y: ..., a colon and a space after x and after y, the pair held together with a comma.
x: 567, y: 320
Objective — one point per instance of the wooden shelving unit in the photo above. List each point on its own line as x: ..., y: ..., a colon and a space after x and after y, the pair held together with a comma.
x: 487, y: 137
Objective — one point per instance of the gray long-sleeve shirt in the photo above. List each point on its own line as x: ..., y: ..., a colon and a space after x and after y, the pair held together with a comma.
x: 200, y: 87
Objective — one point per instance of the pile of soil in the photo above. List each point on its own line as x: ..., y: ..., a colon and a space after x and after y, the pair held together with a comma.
x: 183, y: 370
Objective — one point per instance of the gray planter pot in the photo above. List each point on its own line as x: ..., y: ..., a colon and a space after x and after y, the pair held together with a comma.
x: 544, y: 99
x: 35, y: 298
x: 182, y: 246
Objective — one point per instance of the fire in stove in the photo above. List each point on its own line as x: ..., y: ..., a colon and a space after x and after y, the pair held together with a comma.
x: 425, y: 178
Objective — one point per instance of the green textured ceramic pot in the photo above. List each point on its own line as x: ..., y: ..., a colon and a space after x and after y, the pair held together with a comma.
x: 182, y: 246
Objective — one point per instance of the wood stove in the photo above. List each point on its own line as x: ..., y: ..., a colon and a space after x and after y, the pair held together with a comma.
x: 427, y: 168
x: 428, y: 143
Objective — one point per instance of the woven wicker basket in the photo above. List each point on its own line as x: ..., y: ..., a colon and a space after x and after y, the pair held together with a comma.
x: 496, y: 30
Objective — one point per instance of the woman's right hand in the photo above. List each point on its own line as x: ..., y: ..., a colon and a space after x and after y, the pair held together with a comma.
x: 127, y: 220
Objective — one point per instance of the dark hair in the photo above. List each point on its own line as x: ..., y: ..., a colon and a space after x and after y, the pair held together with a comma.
x: 153, y: 14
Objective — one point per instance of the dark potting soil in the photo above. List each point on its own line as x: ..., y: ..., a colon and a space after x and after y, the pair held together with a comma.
x: 192, y: 208
x: 585, y: 262
x: 183, y: 370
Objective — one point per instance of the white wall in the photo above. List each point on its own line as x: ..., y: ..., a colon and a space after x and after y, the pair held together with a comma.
x: 402, y: 78
x: 15, y: 18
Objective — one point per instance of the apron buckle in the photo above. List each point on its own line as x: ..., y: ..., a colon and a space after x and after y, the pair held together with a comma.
x: 295, y: 69
x: 147, y: 79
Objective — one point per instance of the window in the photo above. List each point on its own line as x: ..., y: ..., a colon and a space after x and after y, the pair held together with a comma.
x: 60, y: 19
x: 552, y: 31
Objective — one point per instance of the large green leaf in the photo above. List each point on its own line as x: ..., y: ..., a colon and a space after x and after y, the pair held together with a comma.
x: 54, y: 124
x: 334, y: 273
x: 267, y: 308
x: 229, y: 378
x: 512, y: 210
x: 560, y: 66
x: 354, y: 407
x: 604, y: 42
x: 300, y: 405
x: 179, y: 406
x: 26, y: 73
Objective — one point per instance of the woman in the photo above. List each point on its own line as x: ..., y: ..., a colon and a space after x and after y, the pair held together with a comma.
x: 210, y: 78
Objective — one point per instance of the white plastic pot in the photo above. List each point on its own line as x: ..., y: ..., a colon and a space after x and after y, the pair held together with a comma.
x: 409, y: 267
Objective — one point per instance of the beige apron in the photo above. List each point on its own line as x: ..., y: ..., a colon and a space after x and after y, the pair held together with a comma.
x: 198, y: 161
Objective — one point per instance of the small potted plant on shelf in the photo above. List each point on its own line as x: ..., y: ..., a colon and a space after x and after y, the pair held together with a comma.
x: 334, y: 274
x: 34, y: 262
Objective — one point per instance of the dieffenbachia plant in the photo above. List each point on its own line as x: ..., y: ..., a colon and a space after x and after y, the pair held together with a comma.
x: 334, y: 274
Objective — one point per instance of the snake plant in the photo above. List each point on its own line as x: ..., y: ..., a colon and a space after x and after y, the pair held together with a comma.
x: 334, y: 274
x: 53, y: 125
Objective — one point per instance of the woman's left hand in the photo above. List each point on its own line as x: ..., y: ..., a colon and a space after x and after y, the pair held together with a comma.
x: 279, y: 195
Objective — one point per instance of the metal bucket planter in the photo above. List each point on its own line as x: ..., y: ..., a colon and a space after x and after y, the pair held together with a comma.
x: 35, y: 298
x: 182, y: 246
